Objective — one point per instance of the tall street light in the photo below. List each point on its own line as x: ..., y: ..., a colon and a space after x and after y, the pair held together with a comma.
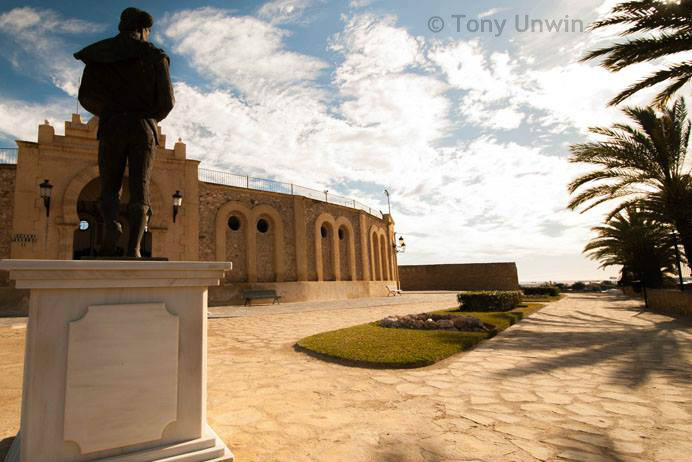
x: 389, y: 207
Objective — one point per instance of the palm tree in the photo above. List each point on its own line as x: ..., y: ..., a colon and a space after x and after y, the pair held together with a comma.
x: 669, y: 25
x: 641, y: 165
x: 640, y: 245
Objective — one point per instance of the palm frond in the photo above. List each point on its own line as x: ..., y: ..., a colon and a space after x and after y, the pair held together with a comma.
x: 681, y: 74
x: 639, y: 50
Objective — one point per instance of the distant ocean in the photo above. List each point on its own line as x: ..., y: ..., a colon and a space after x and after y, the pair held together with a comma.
x: 568, y: 282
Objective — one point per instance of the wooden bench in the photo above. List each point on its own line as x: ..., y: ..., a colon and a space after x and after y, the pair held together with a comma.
x: 393, y: 291
x: 250, y: 295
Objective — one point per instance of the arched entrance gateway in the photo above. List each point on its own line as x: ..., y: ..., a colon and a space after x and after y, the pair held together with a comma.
x: 88, y: 235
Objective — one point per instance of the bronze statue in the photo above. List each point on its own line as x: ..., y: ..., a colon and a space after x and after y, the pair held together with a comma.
x: 126, y: 83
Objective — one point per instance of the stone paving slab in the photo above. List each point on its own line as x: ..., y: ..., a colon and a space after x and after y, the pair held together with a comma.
x: 585, y: 379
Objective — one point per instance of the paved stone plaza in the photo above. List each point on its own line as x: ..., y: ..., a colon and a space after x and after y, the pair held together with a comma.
x: 585, y: 379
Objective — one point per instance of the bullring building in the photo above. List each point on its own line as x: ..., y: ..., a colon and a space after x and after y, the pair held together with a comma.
x: 305, y: 244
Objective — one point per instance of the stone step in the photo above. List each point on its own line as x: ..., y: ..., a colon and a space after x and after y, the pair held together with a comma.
x: 169, y: 453
x: 213, y: 454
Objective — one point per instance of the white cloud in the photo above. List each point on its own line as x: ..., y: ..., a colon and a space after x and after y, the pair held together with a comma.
x: 20, y: 119
x: 467, y: 68
x: 374, y: 45
x: 286, y: 11
x: 241, y: 50
x: 379, y: 85
x: 38, y: 45
x: 502, y: 90
x: 361, y: 3
x: 492, y: 12
x: 499, y: 200
x: 27, y: 18
x: 494, y: 84
x: 383, y: 119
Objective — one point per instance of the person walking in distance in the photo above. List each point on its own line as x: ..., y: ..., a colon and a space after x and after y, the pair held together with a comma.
x: 126, y: 83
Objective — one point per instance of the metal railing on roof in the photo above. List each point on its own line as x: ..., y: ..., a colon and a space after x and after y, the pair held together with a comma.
x: 261, y: 184
x: 8, y: 156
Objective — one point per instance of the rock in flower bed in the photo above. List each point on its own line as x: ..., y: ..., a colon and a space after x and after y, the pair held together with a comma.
x: 432, y: 321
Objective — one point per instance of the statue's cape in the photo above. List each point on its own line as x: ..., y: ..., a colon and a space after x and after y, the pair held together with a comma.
x: 116, y: 49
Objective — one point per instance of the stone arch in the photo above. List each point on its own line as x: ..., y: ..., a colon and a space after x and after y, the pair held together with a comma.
x: 222, y: 216
x: 345, y: 224
x: 375, y: 254
x: 278, y: 226
x: 384, y: 256
x: 159, y: 219
x: 334, y: 246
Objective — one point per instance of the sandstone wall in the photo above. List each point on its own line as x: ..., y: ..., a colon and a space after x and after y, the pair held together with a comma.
x: 672, y: 302
x: 474, y: 276
x: 296, y: 244
x: 8, y: 174
x: 299, y: 291
x: 12, y: 301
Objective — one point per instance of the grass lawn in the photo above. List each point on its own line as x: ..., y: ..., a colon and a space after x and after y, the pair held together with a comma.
x: 369, y: 345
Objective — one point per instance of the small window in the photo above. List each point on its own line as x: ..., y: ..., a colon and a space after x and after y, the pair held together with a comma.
x: 83, y: 225
x: 234, y: 223
x: 323, y: 231
x: 341, y: 234
x: 262, y: 225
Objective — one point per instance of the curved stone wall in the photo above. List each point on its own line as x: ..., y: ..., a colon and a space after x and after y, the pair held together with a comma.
x: 280, y: 238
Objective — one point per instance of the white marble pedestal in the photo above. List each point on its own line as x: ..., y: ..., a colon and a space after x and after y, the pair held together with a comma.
x: 116, y: 361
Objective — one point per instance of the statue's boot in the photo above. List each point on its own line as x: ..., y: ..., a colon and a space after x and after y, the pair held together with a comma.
x: 138, y: 222
x: 112, y: 230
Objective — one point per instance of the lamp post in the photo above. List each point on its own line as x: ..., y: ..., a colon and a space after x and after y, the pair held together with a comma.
x: 389, y: 207
x: 677, y: 257
x: 177, y: 203
x: 46, y: 189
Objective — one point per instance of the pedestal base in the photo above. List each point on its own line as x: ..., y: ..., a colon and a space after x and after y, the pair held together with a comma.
x: 115, y: 363
x: 208, y: 448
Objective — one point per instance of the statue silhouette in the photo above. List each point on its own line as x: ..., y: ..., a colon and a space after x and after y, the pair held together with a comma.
x: 126, y: 83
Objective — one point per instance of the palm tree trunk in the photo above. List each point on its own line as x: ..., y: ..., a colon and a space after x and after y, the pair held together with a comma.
x: 682, y: 219
x: 686, y: 238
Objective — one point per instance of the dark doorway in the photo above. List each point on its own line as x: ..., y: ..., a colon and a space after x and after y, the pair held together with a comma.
x: 87, y: 236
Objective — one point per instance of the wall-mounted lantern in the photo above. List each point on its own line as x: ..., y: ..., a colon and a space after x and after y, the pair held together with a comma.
x: 177, y: 203
x: 46, y: 189
x: 401, y: 247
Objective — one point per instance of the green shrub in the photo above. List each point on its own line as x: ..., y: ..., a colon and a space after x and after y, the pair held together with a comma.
x: 550, y: 291
x: 498, y: 300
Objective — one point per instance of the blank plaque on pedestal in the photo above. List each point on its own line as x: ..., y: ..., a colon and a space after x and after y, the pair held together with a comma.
x: 132, y: 394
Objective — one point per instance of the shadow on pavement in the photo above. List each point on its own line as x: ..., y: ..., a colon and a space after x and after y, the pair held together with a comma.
x: 636, y: 351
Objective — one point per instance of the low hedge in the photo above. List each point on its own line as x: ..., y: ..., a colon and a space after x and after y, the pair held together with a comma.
x: 498, y: 300
x: 550, y: 291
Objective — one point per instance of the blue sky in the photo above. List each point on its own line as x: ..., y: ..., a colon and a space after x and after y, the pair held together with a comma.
x: 468, y: 128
